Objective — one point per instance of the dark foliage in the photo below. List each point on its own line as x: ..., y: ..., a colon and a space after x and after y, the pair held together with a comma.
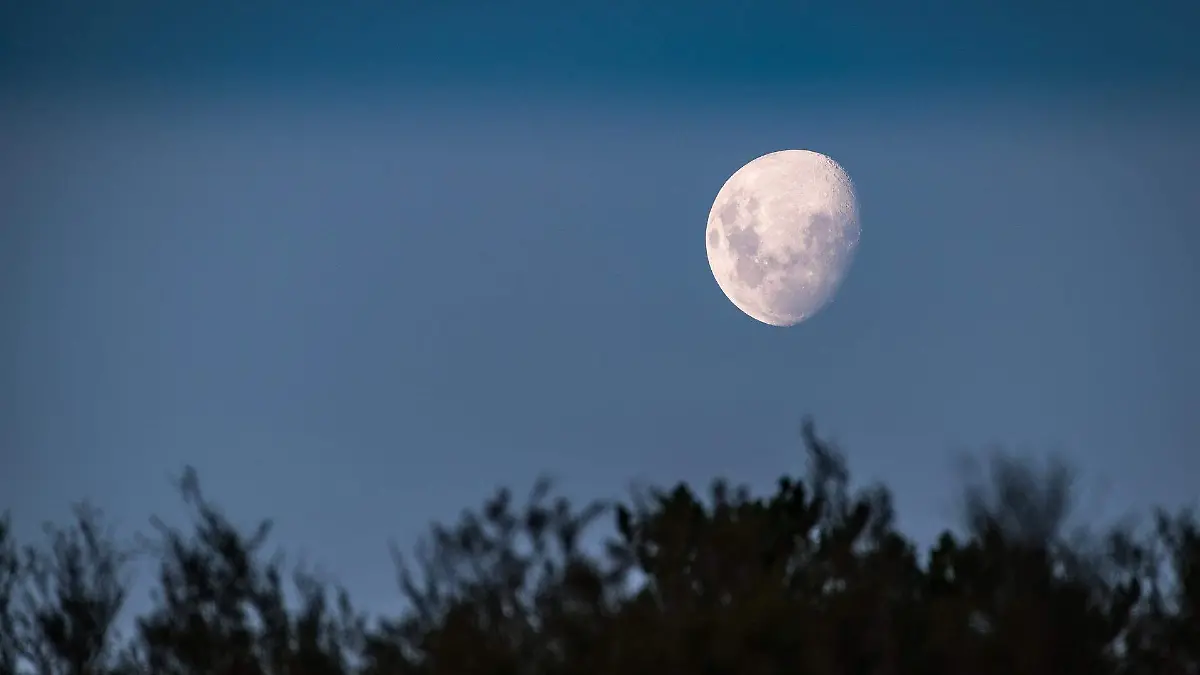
x: 813, y: 578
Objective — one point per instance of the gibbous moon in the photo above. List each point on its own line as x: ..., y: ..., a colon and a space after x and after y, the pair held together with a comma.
x: 782, y: 234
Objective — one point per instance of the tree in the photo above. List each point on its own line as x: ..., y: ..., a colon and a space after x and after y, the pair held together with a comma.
x: 10, y: 580
x: 59, y: 604
x: 812, y: 577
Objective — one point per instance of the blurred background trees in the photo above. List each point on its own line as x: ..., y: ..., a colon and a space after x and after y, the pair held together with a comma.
x: 811, y: 578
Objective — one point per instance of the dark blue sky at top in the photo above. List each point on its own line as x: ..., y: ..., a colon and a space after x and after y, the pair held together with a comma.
x: 592, y: 44
x: 361, y: 265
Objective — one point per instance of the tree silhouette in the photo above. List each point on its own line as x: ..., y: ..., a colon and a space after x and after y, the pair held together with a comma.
x: 813, y: 578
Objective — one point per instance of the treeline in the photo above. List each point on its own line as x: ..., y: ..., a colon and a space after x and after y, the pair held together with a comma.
x: 812, y: 578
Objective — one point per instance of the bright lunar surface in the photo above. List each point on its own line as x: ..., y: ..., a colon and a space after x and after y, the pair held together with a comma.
x: 781, y: 235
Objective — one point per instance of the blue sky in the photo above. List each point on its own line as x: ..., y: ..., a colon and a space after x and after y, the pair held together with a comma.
x: 360, y: 267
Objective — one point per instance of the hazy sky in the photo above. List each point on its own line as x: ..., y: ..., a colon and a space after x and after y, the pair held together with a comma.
x: 361, y: 268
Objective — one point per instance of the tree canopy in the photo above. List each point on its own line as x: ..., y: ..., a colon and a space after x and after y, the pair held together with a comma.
x: 813, y: 577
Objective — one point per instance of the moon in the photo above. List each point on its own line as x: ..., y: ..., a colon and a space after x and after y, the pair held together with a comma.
x: 782, y: 234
